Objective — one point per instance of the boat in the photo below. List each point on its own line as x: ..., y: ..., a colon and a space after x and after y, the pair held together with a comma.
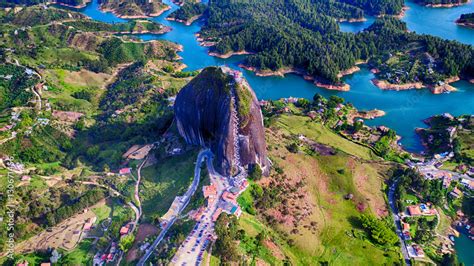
x: 451, y: 238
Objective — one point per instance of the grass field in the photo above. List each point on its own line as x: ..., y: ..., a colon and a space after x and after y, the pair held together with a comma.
x: 165, y: 180
x: 81, y: 255
x: 317, y: 132
x: 337, y: 239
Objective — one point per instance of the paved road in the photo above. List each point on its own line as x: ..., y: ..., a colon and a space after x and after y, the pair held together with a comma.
x: 396, y: 219
x: 191, y: 250
x: 205, y: 154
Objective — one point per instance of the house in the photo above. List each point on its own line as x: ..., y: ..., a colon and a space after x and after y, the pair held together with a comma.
x: 209, y: 191
x: 89, y: 224
x: 125, y: 229
x: 227, y: 196
x: 45, y: 264
x: 405, y: 227
x: 125, y: 171
x: 24, y: 263
x: 467, y: 183
x: 25, y: 178
x: 456, y: 193
x: 312, y: 114
x: 414, y: 210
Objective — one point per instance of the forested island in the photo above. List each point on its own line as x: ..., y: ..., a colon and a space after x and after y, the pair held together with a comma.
x: 294, y: 37
x: 188, y: 13
x: 442, y: 3
x: 466, y: 20
x: 134, y: 8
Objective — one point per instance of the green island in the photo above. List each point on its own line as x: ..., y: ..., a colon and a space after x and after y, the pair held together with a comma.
x: 291, y: 42
x: 466, y: 20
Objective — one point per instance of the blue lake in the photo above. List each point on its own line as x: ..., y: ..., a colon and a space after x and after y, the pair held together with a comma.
x: 405, y: 109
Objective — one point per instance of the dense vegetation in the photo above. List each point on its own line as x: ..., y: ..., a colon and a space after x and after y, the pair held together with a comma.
x: 10, y: 3
x: 38, y: 15
x: 188, y: 11
x: 131, y: 26
x: 466, y: 18
x: 295, y: 34
x: 134, y: 7
x: 380, y: 231
x: 15, y: 86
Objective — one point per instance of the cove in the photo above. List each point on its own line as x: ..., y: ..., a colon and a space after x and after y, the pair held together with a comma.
x: 427, y: 20
x: 405, y: 109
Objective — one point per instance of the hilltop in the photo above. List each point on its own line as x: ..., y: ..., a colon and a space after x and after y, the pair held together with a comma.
x: 218, y: 109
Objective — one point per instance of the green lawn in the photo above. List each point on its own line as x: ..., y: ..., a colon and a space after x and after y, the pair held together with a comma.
x: 81, y: 255
x: 302, y: 125
x: 165, y: 180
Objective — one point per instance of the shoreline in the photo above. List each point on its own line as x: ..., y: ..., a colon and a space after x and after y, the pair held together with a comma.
x: 229, y: 54
x: 164, y: 30
x: 435, y: 89
x: 447, y: 5
x: 185, y: 22
x: 465, y: 24
x: 72, y: 6
x: 283, y: 72
x: 113, y: 11
x: 351, y: 20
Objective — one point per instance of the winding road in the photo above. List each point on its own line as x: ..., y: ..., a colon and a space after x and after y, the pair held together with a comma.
x: 397, y: 221
x: 204, y: 154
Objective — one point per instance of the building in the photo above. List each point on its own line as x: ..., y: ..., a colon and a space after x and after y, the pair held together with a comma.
x: 25, y: 178
x: 209, y: 191
x: 456, y: 193
x: 414, y: 210
x: 125, y: 229
x: 125, y: 171
x: 24, y: 263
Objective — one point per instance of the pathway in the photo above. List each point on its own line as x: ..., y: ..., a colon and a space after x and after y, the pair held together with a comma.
x: 205, y: 154
x: 397, y: 221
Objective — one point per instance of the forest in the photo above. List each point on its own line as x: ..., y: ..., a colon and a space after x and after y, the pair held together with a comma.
x: 295, y: 34
x: 188, y: 11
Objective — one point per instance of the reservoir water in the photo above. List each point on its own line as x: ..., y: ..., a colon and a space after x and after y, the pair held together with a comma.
x: 405, y: 109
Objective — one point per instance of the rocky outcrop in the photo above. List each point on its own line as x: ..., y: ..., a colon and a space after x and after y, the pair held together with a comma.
x: 219, y: 110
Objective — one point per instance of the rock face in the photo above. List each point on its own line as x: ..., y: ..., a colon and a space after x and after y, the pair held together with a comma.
x: 219, y: 110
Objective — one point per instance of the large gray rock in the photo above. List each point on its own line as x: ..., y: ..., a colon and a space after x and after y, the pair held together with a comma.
x: 206, y: 116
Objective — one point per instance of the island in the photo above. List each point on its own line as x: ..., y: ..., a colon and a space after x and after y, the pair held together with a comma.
x: 321, y: 53
x: 466, y: 20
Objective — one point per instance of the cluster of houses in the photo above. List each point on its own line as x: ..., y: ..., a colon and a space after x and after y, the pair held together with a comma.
x: 228, y: 201
x: 11, y: 165
x: 101, y: 259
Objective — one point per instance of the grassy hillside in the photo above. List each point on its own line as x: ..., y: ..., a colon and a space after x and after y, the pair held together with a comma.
x: 308, y: 214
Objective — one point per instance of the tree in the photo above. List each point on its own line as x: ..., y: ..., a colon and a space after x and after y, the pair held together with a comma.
x: 255, y: 172
x: 126, y: 242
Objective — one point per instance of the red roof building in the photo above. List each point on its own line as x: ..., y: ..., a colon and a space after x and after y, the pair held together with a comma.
x: 209, y: 191
x: 229, y: 197
x: 125, y: 171
x: 414, y: 210
x: 125, y: 229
